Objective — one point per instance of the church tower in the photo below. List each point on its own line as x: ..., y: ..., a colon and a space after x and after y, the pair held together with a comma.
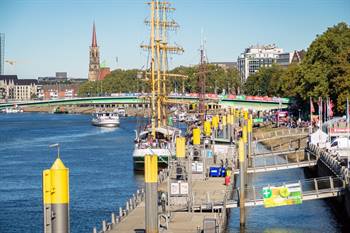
x: 94, y: 65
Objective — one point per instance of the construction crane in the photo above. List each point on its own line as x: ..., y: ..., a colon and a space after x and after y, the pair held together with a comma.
x: 11, y: 62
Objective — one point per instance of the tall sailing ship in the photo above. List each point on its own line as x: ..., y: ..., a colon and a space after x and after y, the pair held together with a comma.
x: 158, y: 138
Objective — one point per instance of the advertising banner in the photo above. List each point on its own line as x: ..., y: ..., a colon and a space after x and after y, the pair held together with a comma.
x: 290, y: 194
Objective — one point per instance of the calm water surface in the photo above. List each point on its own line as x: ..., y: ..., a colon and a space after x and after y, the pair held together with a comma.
x: 102, y: 177
x: 100, y: 163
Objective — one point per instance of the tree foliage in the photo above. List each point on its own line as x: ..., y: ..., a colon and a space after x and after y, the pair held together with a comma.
x: 125, y: 81
x: 324, y: 72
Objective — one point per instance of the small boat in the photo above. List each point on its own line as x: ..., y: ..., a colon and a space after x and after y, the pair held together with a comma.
x: 105, y: 119
x: 181, y: 116
x: 59, y: 110
x: 121, y: 112
x: 13, y: 110
x: 163, y: 146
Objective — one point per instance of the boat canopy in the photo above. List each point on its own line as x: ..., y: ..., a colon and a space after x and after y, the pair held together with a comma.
x: 165, y: 131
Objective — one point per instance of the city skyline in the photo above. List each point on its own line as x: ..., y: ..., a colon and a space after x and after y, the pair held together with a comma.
x: 48, y: 36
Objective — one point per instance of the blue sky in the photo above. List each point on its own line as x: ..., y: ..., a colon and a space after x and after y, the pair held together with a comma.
x: 45, y: 36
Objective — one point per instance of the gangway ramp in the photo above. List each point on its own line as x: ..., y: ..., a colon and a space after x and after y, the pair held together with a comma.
x: 274, y: 162
x: 312, y: 189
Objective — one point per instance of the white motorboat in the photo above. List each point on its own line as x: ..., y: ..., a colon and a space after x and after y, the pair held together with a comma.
x: 163, y: 145
x: 13, y: 110
x: 121, y: 112
x: 105, y: 119
x: 181, y: 116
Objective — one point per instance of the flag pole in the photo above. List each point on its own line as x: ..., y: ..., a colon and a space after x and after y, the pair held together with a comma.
x: 311, y: 109
x: 347, y: 126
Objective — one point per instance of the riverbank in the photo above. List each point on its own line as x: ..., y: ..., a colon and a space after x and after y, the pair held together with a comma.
x: 130, y: 111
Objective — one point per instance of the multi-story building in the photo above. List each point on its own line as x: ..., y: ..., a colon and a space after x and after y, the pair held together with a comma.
x: 283, y: 59
x: 2, y: 53
x: 18, y: 89
x: 59, y: 91
x: 26, y: 89
x: 257, y: 56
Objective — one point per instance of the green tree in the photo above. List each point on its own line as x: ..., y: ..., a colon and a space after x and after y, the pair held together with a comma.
x: 267, y: 81
x: 325, y: 68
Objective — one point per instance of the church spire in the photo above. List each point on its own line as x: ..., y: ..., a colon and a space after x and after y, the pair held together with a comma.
x: 94, y: 41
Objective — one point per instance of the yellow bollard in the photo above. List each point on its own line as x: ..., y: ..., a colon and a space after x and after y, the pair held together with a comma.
x: 250, y: 124
x: 180, y: 147
x: 245, y: 115
x: 215, y: 122
x: 207, y: 128
x: 244, y: 134
x: 56, y: 198
x: 237, y: 113
x: 224, y: 120
x: 196, y: 136
x: 229, y: 119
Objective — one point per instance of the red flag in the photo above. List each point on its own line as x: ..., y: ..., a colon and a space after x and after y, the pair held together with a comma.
x: 312, y: 109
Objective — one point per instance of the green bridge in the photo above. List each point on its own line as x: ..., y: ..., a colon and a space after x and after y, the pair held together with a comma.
x: 256, y: 103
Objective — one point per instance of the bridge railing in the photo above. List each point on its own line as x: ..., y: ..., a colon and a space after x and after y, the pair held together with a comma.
x: 269, y: 160
x: 280, y: 134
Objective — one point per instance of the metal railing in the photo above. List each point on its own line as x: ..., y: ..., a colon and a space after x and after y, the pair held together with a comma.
x: 295, y: 132
x: 279, y: 162
x: 136, y: 199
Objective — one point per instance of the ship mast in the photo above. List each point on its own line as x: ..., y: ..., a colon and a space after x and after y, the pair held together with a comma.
x: 202, y: 83
x: 160, y: 25
x: 153, y: 123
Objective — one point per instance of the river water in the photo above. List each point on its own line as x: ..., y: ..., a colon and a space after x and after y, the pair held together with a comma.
x: 102, y: 177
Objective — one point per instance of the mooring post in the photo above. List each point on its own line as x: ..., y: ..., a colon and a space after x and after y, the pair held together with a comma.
x: 242, y: 182
x: 245, y: 141
x: 56, y: 197
x: 250, y: 133
x: 104, y: 226
x: 224, y: 126
x: 113, y: 218
x: 151, y: 203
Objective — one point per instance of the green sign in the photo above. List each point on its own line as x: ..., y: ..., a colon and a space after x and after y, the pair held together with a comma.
x: 240, y: 97
x: 258, y: 120
x: 284, y: 195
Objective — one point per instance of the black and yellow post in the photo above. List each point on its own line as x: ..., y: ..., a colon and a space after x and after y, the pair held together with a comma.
x: 56, y: 198
x: 242, y: 183
x: 151, y: 203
